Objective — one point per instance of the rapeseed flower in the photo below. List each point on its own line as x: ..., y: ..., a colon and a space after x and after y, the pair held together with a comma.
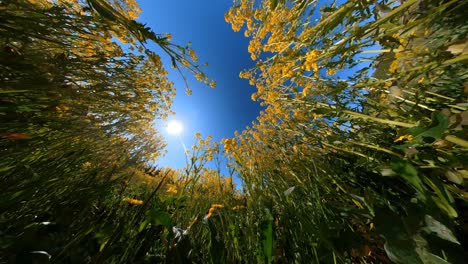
x: 132, y: 201
x: 401, y: 138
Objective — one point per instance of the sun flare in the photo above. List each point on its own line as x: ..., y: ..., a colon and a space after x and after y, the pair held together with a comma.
x: 174, y: 128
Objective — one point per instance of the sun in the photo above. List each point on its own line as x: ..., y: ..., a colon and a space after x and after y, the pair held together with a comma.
x: 174, y: 128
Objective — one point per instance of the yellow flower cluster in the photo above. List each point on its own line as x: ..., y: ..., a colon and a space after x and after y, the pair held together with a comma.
x: 236, y: 16
x: 311, y: 61
x: 238, y: 207
x: 330, y: 72
x: 229, y: 144
x: 306, y: 91
x: 254, y: 48
x: 132, y: 201
x: 401, y: 138
x: 192, y: 54
x: 245, y: 74
x: 212, y: 209
x: 172, y: 189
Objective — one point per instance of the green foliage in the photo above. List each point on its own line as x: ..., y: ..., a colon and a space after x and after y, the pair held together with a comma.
x: 340, y: 121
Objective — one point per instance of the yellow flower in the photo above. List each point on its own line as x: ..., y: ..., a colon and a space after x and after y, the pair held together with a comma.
x: 316, y: 115
x: 208, y: 215
x: 132, y: 201
x: 199, y: 77
x: 254, y: 97
x: 311, y: 61
x: 212, y: 209
x: 192, y: 54
x: 401, y: 138
x: 185, y: 62
x: 87, y: 165
x: 305, y: 91
x: 62, y: 108
x: 172, y: 189
x: 393, y: 67
x: 238, y: 207
x: 331, y: 72
x: 229, y: 144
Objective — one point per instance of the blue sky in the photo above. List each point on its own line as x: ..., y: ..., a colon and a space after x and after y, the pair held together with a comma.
x: 220, y: 111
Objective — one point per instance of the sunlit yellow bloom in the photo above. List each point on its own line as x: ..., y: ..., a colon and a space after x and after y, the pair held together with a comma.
x: 401, y: 138
x: 305, y: 91
x: 254, y: 97
x: 316, y: 115
x: 199, y: 77
x: 87, y: 165
x: 62, y: 108
x: 208, y: 215
x: 172, y: 189
x: 311, y: 61
x: 192, y: 54
x: 393, y: 67
x: 331, y: 72
x: 132, y: 201
x: 217, y: 206
x: 229, y: 144
x: 185, y: 62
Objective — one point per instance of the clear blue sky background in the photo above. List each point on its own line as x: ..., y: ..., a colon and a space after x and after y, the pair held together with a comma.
x: 220, y: 111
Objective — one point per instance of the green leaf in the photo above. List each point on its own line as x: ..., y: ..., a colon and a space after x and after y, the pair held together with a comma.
x: 439, y: 125
x: 444, y: 205
x: 273, y: 4
x: 409, y: 173
x: 160, y: 218
x: 143, y: 225
x: 267, y: 239
x: 321, y: 111
x: 14, y: 91
x: 399, y: 245
x: 442, y: 231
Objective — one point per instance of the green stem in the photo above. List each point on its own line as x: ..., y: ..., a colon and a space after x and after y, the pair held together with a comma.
x: 460, y: 58
x: 376, y: 148
x: 379, y: 120
x: 456, y: 140
x: 348, y: 151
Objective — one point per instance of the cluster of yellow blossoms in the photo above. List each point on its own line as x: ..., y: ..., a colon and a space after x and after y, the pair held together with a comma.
x: 132, y: 201
x: 229, y: 144
x: 311, y: 61
x: 212, y: 209
x: 407, y: 137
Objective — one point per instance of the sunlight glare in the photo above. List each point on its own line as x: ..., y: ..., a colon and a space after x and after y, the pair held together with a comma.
x: 174, y: 128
